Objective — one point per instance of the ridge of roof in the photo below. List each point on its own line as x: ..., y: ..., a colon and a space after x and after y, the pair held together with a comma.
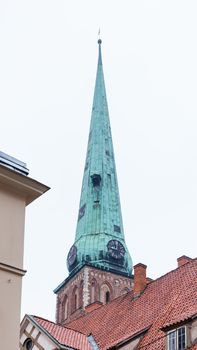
x: 173, y: 270
x: 56, y: 324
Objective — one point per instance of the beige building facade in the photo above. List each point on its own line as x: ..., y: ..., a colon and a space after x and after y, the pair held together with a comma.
x: 17, y: 190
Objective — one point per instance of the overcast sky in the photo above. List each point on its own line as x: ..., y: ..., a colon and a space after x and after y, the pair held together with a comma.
x: 48, y: 59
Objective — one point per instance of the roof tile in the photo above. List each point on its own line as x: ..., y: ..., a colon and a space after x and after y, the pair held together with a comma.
x: 170, y: 299
x: 64, y: 335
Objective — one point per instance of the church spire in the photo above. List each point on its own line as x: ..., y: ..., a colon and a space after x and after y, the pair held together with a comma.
x: 99, y: 239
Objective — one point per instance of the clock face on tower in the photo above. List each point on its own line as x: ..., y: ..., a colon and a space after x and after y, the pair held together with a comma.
x: 72, y: 254
x: 115, y: 249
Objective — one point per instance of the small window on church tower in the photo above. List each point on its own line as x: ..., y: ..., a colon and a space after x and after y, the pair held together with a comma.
x: 107, y: 297
x: 81, y: 212
x: 75, y: 302
x: 105, y: 293
x: 65, y: 308
x: 117, y: 228
x: 96, y: 180
x: 75, y: 299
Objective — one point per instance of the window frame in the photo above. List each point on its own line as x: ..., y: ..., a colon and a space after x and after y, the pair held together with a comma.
x: 176, y: 333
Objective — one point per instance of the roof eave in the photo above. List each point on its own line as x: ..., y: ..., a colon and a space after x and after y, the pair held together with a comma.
x: 180, y: 322
x: 128, y: 339
x: 55, y: 341
x: 24, y: 185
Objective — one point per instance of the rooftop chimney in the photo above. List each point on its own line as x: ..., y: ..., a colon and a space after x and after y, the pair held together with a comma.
x: 183, y: 260
x: 139, y: 279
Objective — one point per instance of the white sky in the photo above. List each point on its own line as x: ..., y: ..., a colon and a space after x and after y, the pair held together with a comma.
x: 48, y: 58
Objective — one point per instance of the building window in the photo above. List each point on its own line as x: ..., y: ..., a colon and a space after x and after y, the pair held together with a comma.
x: 75, y: 302
x: 177, y: 339
x: 81, y: 295
x: 28, y: 344
x: 105, y: 293
x: 107, y: 297
x: 81, y: 212
x: 75, y: 299
x: 93, y: 291
x: 65, y: 308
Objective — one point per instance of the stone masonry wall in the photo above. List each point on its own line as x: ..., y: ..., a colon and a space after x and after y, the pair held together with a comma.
x: 89, y: 285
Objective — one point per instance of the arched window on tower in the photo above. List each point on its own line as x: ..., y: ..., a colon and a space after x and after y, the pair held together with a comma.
x: 107, y: 297
x: 75, y: 299
x: 65, y: 308
x: 94, y: 291
x: 106, y: 293
x: 81, y: 294
x: 59, y: 310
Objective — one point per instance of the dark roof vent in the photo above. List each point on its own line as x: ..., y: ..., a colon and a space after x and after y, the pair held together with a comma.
x: 13, y: 164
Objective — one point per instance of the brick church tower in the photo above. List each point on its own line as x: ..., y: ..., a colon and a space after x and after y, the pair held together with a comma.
x: 99, y: 264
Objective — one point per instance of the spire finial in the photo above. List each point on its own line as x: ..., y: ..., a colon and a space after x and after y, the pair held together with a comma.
x: 99, y: 38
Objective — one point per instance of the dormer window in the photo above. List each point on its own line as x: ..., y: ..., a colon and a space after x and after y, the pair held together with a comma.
x: 177, y: 339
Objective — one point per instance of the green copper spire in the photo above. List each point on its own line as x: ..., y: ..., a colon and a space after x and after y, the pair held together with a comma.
x: 99, y: 239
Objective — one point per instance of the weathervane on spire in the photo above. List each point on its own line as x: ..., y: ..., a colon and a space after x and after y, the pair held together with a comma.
x: 99, y: 37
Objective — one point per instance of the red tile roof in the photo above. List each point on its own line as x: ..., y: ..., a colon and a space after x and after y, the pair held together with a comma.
x: 168, y: 300
x: 63, y: 335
